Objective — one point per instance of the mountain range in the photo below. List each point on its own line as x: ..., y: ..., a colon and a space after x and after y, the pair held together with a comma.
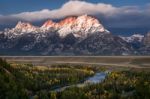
x: 74, y: 35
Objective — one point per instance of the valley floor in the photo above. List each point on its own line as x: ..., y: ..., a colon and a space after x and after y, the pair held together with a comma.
x: 111, y: 61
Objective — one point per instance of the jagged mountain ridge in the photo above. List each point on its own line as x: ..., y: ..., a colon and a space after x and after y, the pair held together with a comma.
x: 82, y: 35
x: 80, y: 26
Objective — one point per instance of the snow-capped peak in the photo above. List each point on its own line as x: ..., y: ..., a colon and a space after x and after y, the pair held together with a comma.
x: 48, y: 24
x: 80, y: 26
x: 134, y: 37
x: 25, y: 27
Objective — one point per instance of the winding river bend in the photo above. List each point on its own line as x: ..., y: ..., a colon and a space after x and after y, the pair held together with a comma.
x: 97, y: 78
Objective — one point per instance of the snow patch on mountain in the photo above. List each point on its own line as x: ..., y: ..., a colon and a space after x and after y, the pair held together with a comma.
x: 134, y: 37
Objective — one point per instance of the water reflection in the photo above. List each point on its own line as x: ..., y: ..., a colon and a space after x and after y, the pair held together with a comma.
x: 97, y: 78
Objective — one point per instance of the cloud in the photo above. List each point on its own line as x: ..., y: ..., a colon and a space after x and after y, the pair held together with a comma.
x: 125, y: 16
x: 70, y: 8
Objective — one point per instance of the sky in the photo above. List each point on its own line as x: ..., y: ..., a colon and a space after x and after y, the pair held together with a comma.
x: 119, y: 14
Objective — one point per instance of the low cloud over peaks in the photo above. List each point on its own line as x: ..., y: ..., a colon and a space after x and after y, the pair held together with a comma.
x: 125, y: 16
x: 68, y: 9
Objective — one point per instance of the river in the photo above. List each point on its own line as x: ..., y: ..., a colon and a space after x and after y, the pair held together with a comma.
x: 97, y: 78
